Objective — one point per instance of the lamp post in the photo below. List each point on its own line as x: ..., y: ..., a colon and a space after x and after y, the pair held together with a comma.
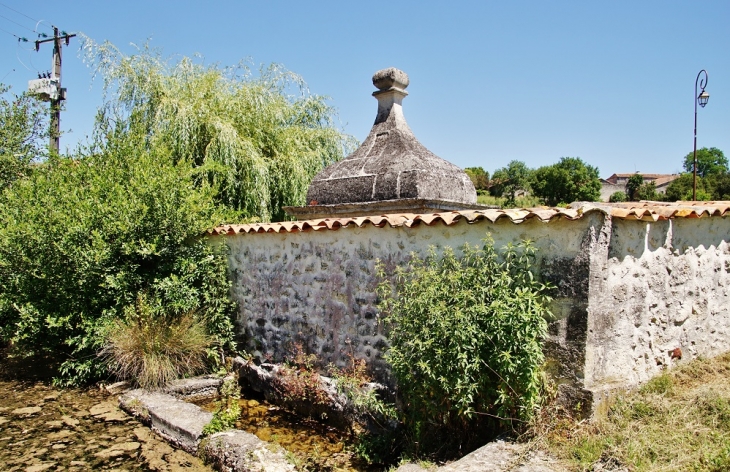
x: 702, y: 100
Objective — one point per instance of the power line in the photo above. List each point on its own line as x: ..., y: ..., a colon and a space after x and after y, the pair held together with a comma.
x: 22, y: 26
x: 21, y: 13
x: 25, y: 40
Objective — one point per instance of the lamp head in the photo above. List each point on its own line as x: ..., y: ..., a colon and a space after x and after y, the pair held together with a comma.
x: 703, y: 98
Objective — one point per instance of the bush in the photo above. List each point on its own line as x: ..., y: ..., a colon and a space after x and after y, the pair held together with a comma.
x: 81, y: 238
x: 465, y: 338
x: 617, y: 197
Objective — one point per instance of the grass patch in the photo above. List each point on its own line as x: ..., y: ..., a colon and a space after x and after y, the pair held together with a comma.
x: 151, y: 347
x: 678, y: 421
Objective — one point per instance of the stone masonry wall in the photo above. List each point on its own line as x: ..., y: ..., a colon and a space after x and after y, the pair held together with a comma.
x: 628, y: 292
x: 664, y: 286
x: 317, y: 288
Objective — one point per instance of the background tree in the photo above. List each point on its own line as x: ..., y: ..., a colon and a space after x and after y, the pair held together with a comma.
x: 633, y: 185
x: 23, y: 126
x: 710, y: 161
x: 479, y: 177
x: 617, y: 197
x: 259, y: 140
x: 681, y: 189
x: 568, y: 181
x: 509, y: 181
x: 647, y: 191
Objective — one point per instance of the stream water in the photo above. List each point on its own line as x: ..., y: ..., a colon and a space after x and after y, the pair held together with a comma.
x: 47, y: 428
x: 312, y: 446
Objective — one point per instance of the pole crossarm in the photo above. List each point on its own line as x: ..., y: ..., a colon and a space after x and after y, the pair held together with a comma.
x: 67, y: 37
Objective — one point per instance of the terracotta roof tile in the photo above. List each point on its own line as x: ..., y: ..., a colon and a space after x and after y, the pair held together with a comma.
x: 645, y: 211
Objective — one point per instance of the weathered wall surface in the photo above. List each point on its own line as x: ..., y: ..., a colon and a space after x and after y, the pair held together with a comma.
x: 665, y: 285
x: 317, y: 288
x: 628, y: 292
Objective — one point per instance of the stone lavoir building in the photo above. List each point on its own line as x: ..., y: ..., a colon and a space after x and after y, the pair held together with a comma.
x: 639, y: 285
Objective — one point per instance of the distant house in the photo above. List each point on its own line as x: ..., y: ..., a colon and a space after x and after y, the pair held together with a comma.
x: 617, y: 183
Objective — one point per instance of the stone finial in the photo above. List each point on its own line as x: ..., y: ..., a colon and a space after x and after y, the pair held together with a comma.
x: 390, y: 79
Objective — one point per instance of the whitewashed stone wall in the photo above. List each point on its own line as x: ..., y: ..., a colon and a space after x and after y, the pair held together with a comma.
x: 665, y: 286
x: 628, y: 292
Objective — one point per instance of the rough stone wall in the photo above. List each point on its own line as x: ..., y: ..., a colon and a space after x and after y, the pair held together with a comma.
x: 317, y: 288
x: 663, y: 286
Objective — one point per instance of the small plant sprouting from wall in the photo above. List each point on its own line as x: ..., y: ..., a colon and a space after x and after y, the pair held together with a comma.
x: 466, y: 349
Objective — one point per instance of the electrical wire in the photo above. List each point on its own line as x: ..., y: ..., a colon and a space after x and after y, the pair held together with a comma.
x: 21, y: 13
x: 22, y: 26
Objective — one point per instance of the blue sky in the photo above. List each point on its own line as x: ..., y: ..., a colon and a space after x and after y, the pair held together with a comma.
x: 610, y: 82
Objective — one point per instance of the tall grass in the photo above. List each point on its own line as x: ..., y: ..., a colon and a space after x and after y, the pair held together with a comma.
x: 679, y: 421
x: 150, y: 347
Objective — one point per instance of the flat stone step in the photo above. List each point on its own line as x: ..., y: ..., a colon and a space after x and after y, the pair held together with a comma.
x: 177, y: 421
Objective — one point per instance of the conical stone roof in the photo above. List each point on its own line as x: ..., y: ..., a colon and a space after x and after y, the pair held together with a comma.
x: 391, y: 171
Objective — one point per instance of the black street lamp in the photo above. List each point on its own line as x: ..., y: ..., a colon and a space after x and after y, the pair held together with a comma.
x: 702, y: 100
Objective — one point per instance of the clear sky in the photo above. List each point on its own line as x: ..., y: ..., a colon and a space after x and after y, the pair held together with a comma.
x: 491, y: 81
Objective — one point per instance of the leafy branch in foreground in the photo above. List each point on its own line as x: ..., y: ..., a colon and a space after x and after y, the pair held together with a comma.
x: 466, y: 337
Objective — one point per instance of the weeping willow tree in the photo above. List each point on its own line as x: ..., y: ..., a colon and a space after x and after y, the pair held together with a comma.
x: 259, y: 139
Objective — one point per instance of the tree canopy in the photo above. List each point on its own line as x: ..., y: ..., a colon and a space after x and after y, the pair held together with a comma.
x: 510, y: 180
x: 710, y: 161
x: 258, y: 139
x: 479, y: 177
x: 23, y: 126
x: 567, y: 181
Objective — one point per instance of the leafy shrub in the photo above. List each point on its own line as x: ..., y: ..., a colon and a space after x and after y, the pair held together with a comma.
x: 81, y: 238
x: 465, y: 338
x: 617, y: 197
x: 152, y: 347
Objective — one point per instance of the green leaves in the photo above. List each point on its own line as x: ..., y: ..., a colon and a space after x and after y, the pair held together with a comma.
x: 568, y: 181
x: 81, y: 238
x: 261, y: 139
x: 466, y: 337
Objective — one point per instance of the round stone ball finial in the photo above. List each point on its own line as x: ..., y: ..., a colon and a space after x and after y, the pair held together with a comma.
x: 390, y: 79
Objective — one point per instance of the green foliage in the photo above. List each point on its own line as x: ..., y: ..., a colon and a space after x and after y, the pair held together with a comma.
x: 228, y: 408
x: 80, y: 239
x: 352, y: 382
x: 260, y: 145
x: 617, y: 197
x: 526, y: 201
x: 479, y: 177
x: 509, y: 181
x: 681, y: 189
x: 647, y: 191
x: 23, y: 124
x: 152, y: 346
x: 568, y: 181
x: 466, y: 341
x: 632, y: 186
x: 710, y: 161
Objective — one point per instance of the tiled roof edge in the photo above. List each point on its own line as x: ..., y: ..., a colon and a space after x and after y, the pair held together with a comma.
x: 645, y: 211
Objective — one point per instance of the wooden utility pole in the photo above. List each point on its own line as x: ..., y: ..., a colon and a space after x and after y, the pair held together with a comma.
x: 59, y: 94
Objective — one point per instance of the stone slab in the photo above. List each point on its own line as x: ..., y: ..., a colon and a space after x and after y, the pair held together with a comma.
x: 503, y: 456
x: 179, y: 422
x: 239, y: 451
x: 194, y: 389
